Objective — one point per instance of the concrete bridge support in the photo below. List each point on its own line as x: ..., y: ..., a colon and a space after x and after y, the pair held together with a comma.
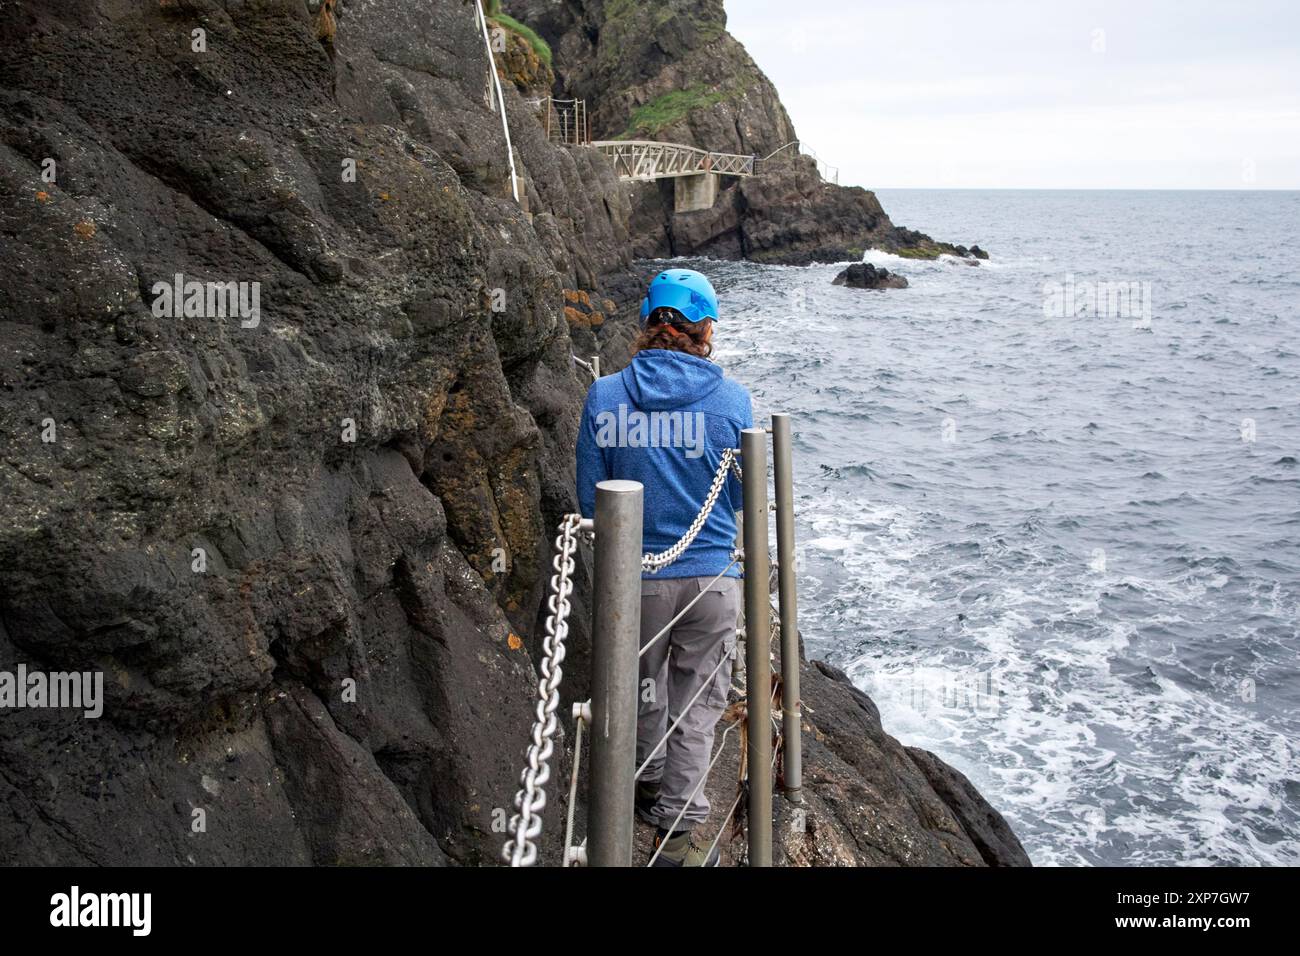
x: 693, y: 193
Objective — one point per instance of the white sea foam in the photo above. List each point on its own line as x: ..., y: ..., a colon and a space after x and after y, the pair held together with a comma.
x: 1147, y: 704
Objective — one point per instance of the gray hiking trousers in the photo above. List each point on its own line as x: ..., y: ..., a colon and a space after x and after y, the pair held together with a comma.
x: 696, y: 653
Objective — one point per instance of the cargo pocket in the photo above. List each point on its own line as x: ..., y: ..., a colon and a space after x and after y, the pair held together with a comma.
x: 717, y: 695
x: 652, y: 588
x: 724, y: 601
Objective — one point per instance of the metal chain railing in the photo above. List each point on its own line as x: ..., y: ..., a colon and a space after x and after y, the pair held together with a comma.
x: 653, y: 563
x: 565, y: 121
x: 530, y: 801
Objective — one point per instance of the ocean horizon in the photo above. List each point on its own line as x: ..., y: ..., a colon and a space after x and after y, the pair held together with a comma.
x: 1062, y: 551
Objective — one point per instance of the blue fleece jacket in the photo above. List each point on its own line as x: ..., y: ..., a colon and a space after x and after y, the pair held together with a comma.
x: 665, y: 421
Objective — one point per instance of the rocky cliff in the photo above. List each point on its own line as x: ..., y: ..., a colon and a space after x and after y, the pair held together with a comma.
x: 304, y: 539
x: 669, y: 70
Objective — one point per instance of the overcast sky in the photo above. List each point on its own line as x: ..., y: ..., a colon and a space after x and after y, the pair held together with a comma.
x: 1180, y: 94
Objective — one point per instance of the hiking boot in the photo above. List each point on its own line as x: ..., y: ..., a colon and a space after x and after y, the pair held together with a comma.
x: 680, y: 849
x: 647, y: 795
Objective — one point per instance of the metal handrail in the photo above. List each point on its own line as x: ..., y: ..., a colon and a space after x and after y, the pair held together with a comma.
x: 824, y: 169
x: 611, y: 716
x: 644, y: 159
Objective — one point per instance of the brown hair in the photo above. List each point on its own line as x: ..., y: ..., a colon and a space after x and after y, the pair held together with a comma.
x: 668, y: 329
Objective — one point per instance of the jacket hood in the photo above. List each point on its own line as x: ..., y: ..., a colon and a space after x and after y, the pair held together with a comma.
x: 661, y: 379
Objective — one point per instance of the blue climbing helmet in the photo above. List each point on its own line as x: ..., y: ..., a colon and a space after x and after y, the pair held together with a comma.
x: 685, y: 290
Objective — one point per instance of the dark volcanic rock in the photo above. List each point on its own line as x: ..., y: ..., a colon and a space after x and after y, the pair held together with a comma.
x: 995, y: 840
x: 863, y: 275
x: 307, y: 552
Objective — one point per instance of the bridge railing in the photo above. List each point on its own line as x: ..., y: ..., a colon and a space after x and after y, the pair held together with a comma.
x: 650, y: 159
x: 565, y: 121
x: 829, y: 173
x: 611, y: 715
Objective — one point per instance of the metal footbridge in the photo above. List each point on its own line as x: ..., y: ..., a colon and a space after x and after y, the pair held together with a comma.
x: 644, y: 159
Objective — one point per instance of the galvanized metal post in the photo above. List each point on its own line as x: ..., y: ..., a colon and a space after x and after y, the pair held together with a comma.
x: 595, y: 366
x: 758, y: 664
x: 616, y: 642
x: 783, y: 477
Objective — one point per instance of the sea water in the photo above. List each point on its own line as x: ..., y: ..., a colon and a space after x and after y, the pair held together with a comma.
x: 1060, y: 548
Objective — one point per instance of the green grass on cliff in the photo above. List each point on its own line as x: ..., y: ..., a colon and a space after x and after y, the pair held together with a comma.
x: 543, y: 49
x: 540, y: 46
x: 649, y: 118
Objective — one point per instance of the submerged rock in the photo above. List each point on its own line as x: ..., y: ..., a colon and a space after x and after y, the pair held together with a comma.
x: 863, y: 275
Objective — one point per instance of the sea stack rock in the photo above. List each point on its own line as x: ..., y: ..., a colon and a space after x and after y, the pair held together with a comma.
x: 863, y: 275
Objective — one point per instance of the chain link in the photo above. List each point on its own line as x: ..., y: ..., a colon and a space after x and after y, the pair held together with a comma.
x: 530, y: 801
x: 652, y: 563
x: 526, y: 824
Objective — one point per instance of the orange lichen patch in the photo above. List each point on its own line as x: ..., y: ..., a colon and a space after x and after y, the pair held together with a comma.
x: 326, y: 24
x: 514, y: 642
x: 609, y: 305
x: 583, y: 311
x: 85, y: 229
x: 42, y: 196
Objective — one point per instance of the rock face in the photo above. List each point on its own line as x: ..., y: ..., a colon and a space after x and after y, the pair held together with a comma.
x: 863, y: 275
x: 305, y: 545
x: 307, y: 554
x: 668, y: 70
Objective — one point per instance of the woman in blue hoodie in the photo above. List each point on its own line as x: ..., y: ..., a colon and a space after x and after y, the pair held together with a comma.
x: 665, y: 421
